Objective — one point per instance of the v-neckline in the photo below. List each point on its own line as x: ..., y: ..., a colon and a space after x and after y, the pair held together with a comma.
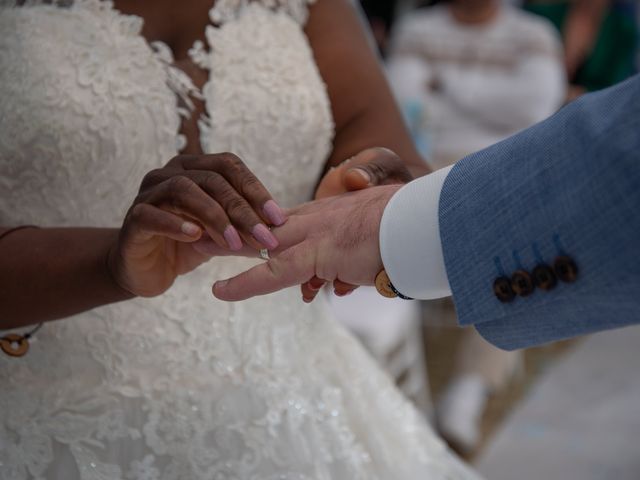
x: 189, y: 129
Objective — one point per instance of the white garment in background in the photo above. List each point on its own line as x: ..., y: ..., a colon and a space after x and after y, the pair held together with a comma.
x: 182, y: 386
x: 475, y: 85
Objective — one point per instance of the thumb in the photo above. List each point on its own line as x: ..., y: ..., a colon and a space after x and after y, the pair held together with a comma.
x: 291, y: 267
x: 375, y: 166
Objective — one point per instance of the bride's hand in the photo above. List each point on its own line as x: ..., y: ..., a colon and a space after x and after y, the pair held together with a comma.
x: 194, y: 199
x: 371, y: 167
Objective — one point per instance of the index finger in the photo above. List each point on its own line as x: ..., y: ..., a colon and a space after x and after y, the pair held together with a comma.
x: 292, y: 267
x: 243, y: 181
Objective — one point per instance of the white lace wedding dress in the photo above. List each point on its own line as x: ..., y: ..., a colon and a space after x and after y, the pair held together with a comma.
x: 181, y: 387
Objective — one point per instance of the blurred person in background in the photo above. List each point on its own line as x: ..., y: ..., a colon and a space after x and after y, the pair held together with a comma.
x: 600, y: 40
x: 467, y: 74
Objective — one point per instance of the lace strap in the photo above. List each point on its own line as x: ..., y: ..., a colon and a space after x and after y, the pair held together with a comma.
x: 177, y: 80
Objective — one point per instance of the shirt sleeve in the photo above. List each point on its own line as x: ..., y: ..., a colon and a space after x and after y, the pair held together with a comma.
x: 410, y: 243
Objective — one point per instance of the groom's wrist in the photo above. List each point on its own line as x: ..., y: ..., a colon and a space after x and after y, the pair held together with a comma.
x: 410, y: 245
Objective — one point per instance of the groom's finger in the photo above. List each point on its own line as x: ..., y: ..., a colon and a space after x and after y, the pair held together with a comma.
x: 342, y: 289
x: 311, y: 288
x: 291, y: 233
x: 292, y: 267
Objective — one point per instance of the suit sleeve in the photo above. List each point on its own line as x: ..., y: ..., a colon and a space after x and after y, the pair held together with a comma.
x: 541, y: 232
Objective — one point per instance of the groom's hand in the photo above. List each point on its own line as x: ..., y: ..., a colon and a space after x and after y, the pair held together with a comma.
x: 369, y: 168
x: 331, y: 239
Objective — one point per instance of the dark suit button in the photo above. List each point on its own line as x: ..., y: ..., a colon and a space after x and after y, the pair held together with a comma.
x: 522, y: 283
x: 543, y: 277
x: 502, y: 289
x: 566, y: 269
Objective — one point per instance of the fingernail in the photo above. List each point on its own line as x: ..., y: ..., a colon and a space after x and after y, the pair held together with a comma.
x: 220, y: 284
x: 307, y: 299
x: 274, y: 213
x: 316, y: 285
x: 343, y: 294
x: 264, y: 236
x: 232, y: 237
x: 190, y: 229
x: 363, y: 174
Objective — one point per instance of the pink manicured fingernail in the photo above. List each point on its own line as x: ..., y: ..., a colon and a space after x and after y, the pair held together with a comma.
x: 264, y: 236
x: 233, y: 238
x: 274, y: 213
x: 190, y: 229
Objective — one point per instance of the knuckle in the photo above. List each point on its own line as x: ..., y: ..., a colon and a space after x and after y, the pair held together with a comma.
x: 208, y: 161
x: 140, y: 198
x: 138, y: 212
x: 151, y: 178
x: 237, y: 208
x: 217, y: 217
x: 232, y: 158
x: 250, y: 185
x: 213, y: 182
x: 179, y: 186
x: 233, y: 163
x: 176, y: 160
x: 180, y: 183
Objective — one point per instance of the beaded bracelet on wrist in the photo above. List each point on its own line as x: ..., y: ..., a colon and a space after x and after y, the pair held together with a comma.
x: 14, y: 344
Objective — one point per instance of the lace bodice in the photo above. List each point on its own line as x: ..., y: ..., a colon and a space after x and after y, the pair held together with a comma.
x: 181, y: 386
x: 88, y: 108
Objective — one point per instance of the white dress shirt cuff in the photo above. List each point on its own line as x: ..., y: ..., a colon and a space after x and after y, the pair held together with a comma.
x: 410, y: 243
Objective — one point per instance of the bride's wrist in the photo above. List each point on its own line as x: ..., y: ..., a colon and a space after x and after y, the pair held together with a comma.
x: 111, y: 271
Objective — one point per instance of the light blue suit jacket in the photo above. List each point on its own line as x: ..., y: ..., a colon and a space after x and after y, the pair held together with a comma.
x: 567, y: 186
